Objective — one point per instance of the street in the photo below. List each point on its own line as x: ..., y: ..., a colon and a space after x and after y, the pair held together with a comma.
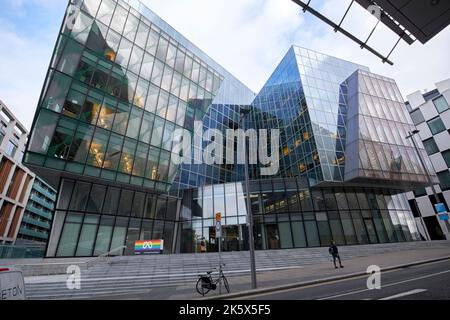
x: 423, y: 282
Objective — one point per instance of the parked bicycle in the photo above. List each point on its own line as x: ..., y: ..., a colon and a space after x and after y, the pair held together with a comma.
x: 206, y: 283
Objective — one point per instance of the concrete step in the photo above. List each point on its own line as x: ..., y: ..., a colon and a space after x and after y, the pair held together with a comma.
x: 123, y: 275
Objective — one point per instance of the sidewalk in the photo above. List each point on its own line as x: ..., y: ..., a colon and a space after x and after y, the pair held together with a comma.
x: 310, y: 273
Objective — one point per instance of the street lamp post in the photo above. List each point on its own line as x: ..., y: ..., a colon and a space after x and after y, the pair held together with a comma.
x: 244, y: 113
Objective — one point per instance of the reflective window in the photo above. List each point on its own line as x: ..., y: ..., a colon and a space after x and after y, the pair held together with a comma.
x: 430, y: 146
x: 70, y: 231
x: 104, y: 233
x: 446, y: 156
x: 87, y: 236
x: 106, y: 11
x: 436, y: 125
x: 441, y: 104
x: 119, y: 19
x: 417, y: 117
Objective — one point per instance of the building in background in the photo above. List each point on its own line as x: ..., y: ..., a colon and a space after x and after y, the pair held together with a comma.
x: 16, y: 180
x: 26, y: 201
x: 430, y: 113
x: 122, y: 80
x: 36, y: 222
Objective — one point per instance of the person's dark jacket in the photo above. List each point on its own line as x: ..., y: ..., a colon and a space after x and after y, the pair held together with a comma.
x: 334, y: 251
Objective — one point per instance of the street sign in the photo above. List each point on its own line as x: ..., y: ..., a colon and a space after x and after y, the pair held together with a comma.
x: 218, y: 225
x: 149, y: 247
x: 12, y: 286
x: 440, y: 208
x: 444, y: 217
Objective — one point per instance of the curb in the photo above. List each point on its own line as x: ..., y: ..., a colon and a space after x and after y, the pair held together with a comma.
x: 319, y: 281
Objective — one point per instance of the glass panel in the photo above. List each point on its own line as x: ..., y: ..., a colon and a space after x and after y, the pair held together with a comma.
x: 124, y: 52
x: 132, y: 235
x: 140, y: 160
x: 56, y: 93
x: 107, y: 113
x: 127, y: 159
x: 298, y: 231
x: 121, y: 118
x: 142, y: 34
x: 152, y: 42
x: 62, y: 139
x: 81, y: 144
x: 126, y: 201
x: 417, y: 117
x: 134, y: 124
x: 444, y: 178
x: 136, y: 59
x: 112, y: 201
x: 131, y: 27
x: 91, y: 110
x: 285, y: 235
x: 119, y: 19
x: 96, y: 197
x: 337, y: 232
x: 147, y: 67
x: 360, y: 229
x: 152, y: 164
x: 312, y: 234
x: 43, y: 132
x: 147, y: 127
x: 113, y: 153
x: 146, y: 230
x: 430, y: 146
x: 87, y: 236
x: 106, y: 11
x: 119, y: 235
x: 98, y: 148
x: 70, y: 58
x: 104, y: 234
x: 72, y: 226
x: 163, y: 45
x: 441, y: 104
x: 436, y: 125
x: 80, y: 196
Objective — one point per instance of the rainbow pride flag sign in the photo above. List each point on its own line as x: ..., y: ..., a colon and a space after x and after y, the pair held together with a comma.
x: 149, y: 247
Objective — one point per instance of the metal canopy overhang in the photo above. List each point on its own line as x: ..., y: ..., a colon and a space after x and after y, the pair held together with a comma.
x: 363, y: 45
x: 388, y: 22
x: 411, y: 20
x: 424, y: 19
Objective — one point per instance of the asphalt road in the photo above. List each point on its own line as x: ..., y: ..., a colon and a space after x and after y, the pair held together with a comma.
x: 424, y: 282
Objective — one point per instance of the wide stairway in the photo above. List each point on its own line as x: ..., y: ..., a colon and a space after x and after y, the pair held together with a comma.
x: 134, y: 275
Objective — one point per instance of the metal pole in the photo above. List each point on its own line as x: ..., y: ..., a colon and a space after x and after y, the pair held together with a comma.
x: 249, y: 215
x: 220, y: 260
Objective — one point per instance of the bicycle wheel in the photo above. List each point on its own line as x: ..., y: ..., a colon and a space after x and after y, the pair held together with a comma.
x: 225, y: 282
x: 203, y: 286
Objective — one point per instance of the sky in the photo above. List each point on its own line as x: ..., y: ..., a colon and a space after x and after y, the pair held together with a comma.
x: 247, y: 37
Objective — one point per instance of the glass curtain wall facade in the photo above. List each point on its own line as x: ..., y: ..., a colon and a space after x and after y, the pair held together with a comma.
x: 378, y: 126
x: 121, y: 81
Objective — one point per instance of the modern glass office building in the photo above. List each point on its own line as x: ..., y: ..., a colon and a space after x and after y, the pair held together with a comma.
x: 122, y: 81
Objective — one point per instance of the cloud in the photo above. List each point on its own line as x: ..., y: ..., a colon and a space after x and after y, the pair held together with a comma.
x: 28, y: 31
x: 247, y: 37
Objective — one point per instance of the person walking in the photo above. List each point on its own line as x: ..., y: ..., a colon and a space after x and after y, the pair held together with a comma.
x: 334, y: 251
x: 203, y: 246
